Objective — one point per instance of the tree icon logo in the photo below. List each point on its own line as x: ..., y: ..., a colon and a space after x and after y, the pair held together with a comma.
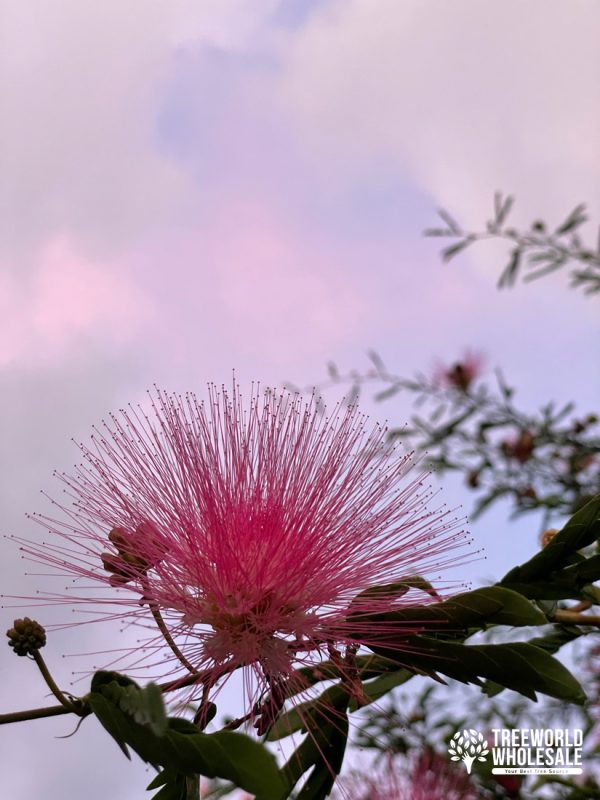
x: 468, y: 746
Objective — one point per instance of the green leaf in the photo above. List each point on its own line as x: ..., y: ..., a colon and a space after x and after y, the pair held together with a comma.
x: 110, y: 718
x: 392, y: 591
x: 558, y: 571
x: 144, y: 705
x: 256, y: 767
x: 177, y: 790
x: 448, y: 253
x: 520, y: 666
x: 303, y: 715
x: 502, y: 207
x: 159, y: 780
x: 516, y: 610
x: 324, y: 773
x: 104, y: 677
x: 556, y: 637
x: 322, y: 751
x: 581, y: 530
x: 437, y: 232
x: 489, y: 605
x: 576, y: 218
x: 171, y: 785
x: 450, y: 221
x: 385, y: 394
x: 509, y: 273
x: 550, y: 642
x: 130, y: 714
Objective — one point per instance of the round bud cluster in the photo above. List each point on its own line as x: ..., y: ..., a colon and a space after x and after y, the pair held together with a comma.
x: 26, y: 636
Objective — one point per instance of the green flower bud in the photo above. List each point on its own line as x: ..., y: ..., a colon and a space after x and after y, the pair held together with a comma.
x: 26, y: 636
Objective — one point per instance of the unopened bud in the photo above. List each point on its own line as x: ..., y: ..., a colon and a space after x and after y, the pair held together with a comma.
x: 547, y: 536
x: 137, y: 553
x: 26, y: 636
x: 473, y: 479
x: 120, y: 538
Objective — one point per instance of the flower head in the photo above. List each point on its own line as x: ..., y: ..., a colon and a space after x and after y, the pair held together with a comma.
x: 242, y: 534
x: 520, y: 447
x: 461, y: 374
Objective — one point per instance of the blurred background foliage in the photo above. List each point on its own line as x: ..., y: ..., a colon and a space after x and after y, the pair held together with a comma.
x: 467, y: 419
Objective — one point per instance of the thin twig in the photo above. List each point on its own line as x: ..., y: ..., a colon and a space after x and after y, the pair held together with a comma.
x: 36, y: 713
x: 573, y: 618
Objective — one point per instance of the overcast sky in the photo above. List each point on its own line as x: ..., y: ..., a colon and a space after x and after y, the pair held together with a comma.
x: 191, y: 187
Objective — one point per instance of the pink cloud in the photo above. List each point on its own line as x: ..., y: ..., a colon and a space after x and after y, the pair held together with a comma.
x: 292, y: 292
x: 249, y: 286
x: 68, y: 301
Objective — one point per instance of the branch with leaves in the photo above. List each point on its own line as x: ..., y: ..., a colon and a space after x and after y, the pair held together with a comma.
x: 536, y: 251
x: 547, y: 461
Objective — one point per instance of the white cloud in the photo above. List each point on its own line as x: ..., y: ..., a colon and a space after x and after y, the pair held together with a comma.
x: 468, y: 96
x: 80, y: 88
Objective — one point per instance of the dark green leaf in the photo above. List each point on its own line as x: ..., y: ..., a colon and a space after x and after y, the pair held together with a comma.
x: 520, y: 666
x: 104, y: 677
x: 450, y: 221
x: 576, y: 217
x: 255, y: 766
x: 449, y: 252
x: 179, y: 747
x: 176, y: 790
x: 551, y: 642
x: 172, y: 786
x: 581, y: 530
x: 387, y: 393
x: 110, y: 718
x: 509, y: 274
x: 502, y: 207
x: 489, y: 605
x: 159, y: 780
x: 438, y: 232
x: 322, y: 750
x: 303, y: 715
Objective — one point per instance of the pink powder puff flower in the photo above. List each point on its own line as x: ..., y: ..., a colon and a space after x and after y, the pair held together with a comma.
x: 241, y: 534
x: 422, y: 776
x: 461, y: 374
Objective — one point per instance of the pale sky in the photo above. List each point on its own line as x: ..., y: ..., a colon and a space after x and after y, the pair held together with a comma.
x: 189, y: 188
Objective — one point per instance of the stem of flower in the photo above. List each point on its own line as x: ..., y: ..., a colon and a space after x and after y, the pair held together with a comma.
x: 210, y: 676
x: 165, y: 631
x: 169, y: 639
x: 68, y: 704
